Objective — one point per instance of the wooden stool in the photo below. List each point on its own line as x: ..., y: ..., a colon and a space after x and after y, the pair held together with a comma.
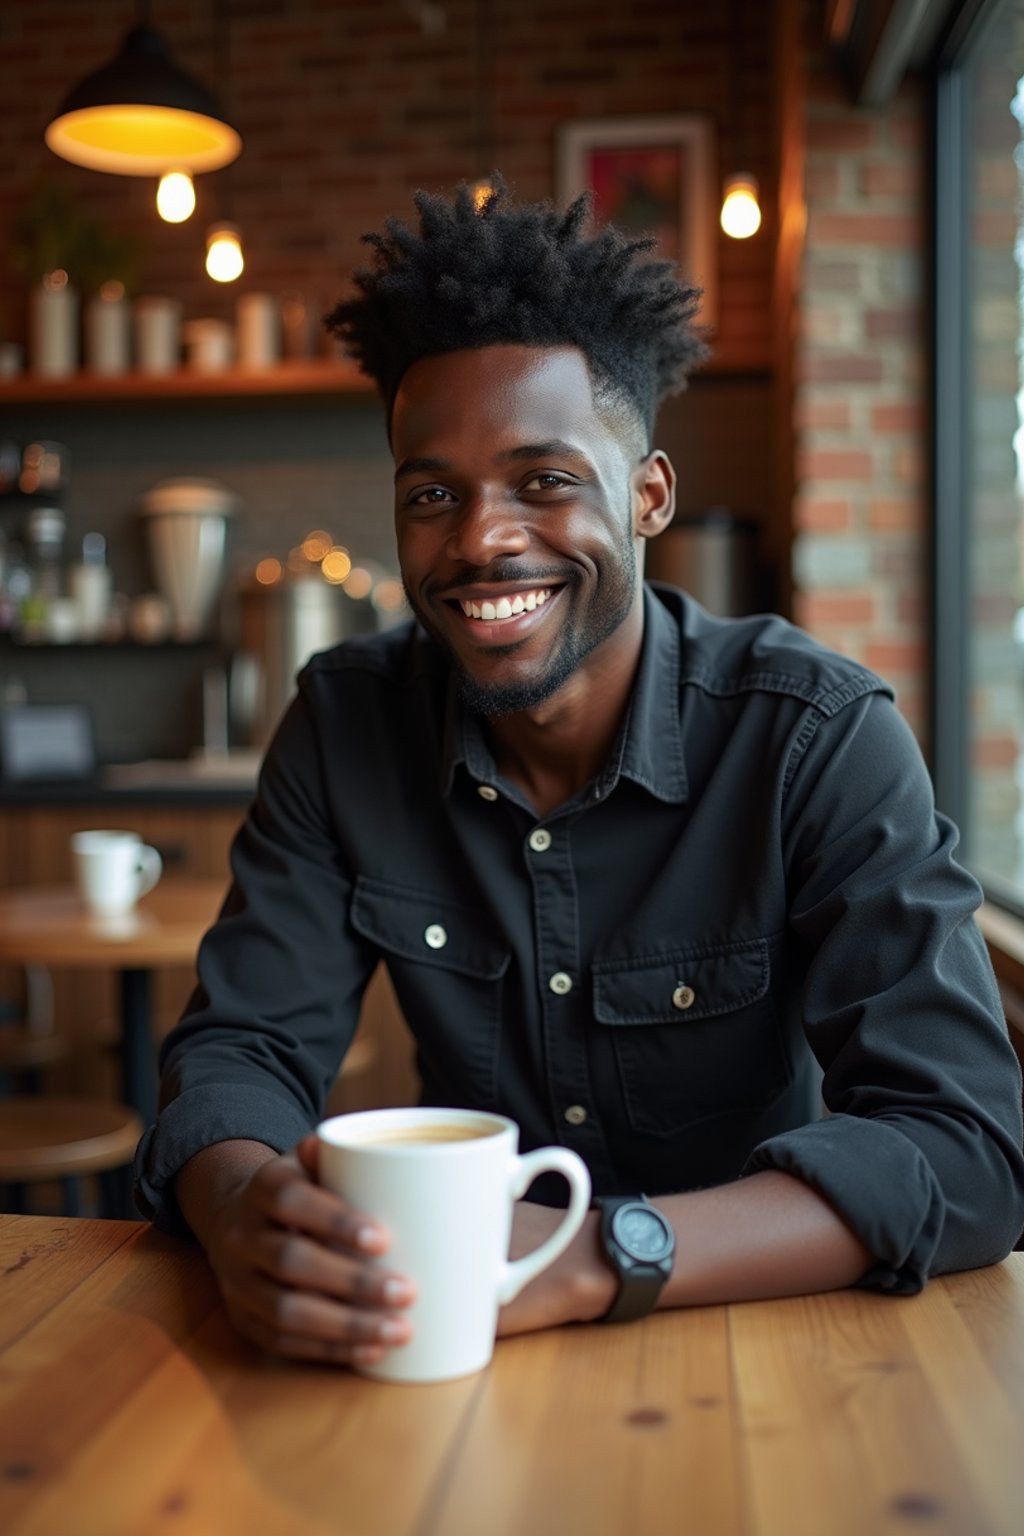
x: 27, y: 1041
x: 44, y: 1138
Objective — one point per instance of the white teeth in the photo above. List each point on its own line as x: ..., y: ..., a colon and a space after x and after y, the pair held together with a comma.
x: 522, y: 602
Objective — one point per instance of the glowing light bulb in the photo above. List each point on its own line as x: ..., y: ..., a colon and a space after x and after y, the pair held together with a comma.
x: 175, y: 197
x: 741, y: 211
x: 224, y: 259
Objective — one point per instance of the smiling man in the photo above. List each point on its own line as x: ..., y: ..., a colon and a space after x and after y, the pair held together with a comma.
x: 668, y: 889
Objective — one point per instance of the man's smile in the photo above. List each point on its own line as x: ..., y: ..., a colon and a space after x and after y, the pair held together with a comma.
x: 504, y: 607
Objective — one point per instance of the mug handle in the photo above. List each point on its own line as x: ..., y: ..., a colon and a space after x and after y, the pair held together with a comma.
x: 149, y: 869
x: 515, y: 1275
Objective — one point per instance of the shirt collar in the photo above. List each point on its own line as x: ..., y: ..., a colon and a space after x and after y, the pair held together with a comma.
x: 649, y: 747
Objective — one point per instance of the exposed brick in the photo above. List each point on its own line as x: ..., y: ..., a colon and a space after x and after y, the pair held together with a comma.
x: 989, y: 752
x: 841, y: 368
x: 837, y: 608
x: 869, y: 229
x: 897, y: 416
x: 842, y: 135
x: 883, y: 178
x: 905, y: 323
x: 822, y: 181
x: 813, y: 514
x: 835, y: 464
x: 888, y: 656
x: 896, y: 514
x: 811, y: 412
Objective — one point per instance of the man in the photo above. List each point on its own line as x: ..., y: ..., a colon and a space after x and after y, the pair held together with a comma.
x: 637, y: 873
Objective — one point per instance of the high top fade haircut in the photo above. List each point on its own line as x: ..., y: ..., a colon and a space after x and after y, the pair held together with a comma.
x: 523, y: 274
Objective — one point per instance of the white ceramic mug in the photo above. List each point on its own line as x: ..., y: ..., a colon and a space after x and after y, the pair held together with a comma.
x: 444, y: 1183
x: 113, y: 869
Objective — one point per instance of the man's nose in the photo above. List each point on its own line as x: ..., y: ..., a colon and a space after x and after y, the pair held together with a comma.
x: 486, y: 528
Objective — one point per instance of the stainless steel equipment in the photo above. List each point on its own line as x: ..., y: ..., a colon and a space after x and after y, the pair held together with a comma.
x: 282, y: 625
x: 713, y: 556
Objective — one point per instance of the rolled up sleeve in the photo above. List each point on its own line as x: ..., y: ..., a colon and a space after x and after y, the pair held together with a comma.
x: 920, y: 1147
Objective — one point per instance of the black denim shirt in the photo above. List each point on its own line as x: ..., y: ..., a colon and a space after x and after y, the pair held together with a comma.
x: 754, y: 908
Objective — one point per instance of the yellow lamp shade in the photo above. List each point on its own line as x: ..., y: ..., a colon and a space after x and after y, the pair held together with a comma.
x: 140, y: 114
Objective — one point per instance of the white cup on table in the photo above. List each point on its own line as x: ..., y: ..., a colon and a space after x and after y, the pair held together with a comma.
x: 444, y: 1183
x: 113, y: 869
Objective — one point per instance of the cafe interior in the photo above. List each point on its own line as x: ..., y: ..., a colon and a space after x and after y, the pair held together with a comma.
x: 195, y: 493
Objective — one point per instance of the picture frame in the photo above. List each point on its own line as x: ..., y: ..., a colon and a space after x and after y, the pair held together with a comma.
x: 649, y: 175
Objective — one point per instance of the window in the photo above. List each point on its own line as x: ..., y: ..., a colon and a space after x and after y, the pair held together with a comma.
x: 979, y: 461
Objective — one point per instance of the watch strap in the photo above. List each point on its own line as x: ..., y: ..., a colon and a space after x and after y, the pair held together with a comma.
x: 640, y: 1284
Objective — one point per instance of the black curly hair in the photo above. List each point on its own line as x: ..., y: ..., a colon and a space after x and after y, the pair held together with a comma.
x: 523, y: 274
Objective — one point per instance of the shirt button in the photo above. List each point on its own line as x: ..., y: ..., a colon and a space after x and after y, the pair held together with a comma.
x: 575, y: 1114
x: 436, y: 936
x: 487, y: 792
x: 540, y: 840
x: 560, y: 983
x: 683, y: 997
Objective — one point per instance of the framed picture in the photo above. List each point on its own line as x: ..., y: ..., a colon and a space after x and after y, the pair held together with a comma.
x: 649, y: 175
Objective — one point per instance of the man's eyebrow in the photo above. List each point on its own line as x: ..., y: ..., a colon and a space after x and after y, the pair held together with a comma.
x: 422, y: 466
x: 555, y: 447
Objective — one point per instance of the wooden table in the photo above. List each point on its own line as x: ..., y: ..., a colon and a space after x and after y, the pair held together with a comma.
x: 128, y: 1406
x: 49, y: 926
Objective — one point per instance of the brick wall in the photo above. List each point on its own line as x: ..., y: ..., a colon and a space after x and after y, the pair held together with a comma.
x: 859, y: 552
x: 346, y: 105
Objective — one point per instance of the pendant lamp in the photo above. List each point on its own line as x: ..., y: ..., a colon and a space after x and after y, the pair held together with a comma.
x: 141, y: 115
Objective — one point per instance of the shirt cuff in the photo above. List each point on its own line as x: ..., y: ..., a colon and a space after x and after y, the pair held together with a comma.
x: 878, y: 1181
x: 200, y: 1117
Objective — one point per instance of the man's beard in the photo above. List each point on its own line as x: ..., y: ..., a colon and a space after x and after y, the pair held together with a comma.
x: 577, y: 641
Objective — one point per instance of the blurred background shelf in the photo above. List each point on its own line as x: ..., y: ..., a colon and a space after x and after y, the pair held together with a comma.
x: 306, y: 377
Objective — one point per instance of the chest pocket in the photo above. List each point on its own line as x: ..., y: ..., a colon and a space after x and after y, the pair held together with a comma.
x: 694, y: 1032
x: 447, y: 974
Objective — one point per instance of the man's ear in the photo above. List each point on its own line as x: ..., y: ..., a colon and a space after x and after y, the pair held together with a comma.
x: 654, y: 494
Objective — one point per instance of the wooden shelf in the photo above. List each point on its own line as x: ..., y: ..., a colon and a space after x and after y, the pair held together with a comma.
x: 305, y: 377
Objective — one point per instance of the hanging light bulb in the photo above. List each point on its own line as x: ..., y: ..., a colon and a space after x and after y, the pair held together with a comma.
x: 741, y: 210
x: 224, y: 259
x: 175, y: 197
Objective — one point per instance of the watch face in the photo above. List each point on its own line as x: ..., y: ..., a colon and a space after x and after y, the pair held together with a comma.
x: 642, y: 1232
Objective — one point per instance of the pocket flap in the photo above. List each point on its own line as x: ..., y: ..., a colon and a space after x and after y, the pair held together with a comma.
x: 681, y: 986
x: 431, y: 929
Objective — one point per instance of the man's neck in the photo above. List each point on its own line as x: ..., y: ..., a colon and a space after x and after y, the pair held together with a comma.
x: 552, y: 751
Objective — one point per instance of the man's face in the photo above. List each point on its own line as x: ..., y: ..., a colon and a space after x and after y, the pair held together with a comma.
x: 514, y: 519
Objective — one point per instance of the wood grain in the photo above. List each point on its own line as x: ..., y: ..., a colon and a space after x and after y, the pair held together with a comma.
x: 129, y: 1406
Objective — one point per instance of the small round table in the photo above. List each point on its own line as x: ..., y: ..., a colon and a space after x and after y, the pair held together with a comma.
x: 50, y: 927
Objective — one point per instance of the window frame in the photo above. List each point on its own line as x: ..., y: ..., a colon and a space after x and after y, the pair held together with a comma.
x: 951, y: 447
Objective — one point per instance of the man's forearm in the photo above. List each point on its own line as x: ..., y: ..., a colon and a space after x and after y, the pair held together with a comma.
x: 210, y: 1178
x: 767, y: 1235
x: 764, y: 1236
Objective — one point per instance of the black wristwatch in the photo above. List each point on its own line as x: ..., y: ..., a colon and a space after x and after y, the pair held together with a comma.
x: 639, y: 1244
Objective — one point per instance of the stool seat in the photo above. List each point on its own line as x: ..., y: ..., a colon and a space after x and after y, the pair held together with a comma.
x: 44, y: 1137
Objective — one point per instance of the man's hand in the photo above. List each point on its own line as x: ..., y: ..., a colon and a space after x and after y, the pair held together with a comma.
x: 291, y: 1258
x: 578, y: 1287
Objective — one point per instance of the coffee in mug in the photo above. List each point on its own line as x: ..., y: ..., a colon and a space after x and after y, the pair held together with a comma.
x: 444, y: 1183
x: 113, y: 869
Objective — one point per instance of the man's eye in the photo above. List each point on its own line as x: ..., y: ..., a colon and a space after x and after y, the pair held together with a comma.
x: 545, y: 482
x: 433, y: 496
